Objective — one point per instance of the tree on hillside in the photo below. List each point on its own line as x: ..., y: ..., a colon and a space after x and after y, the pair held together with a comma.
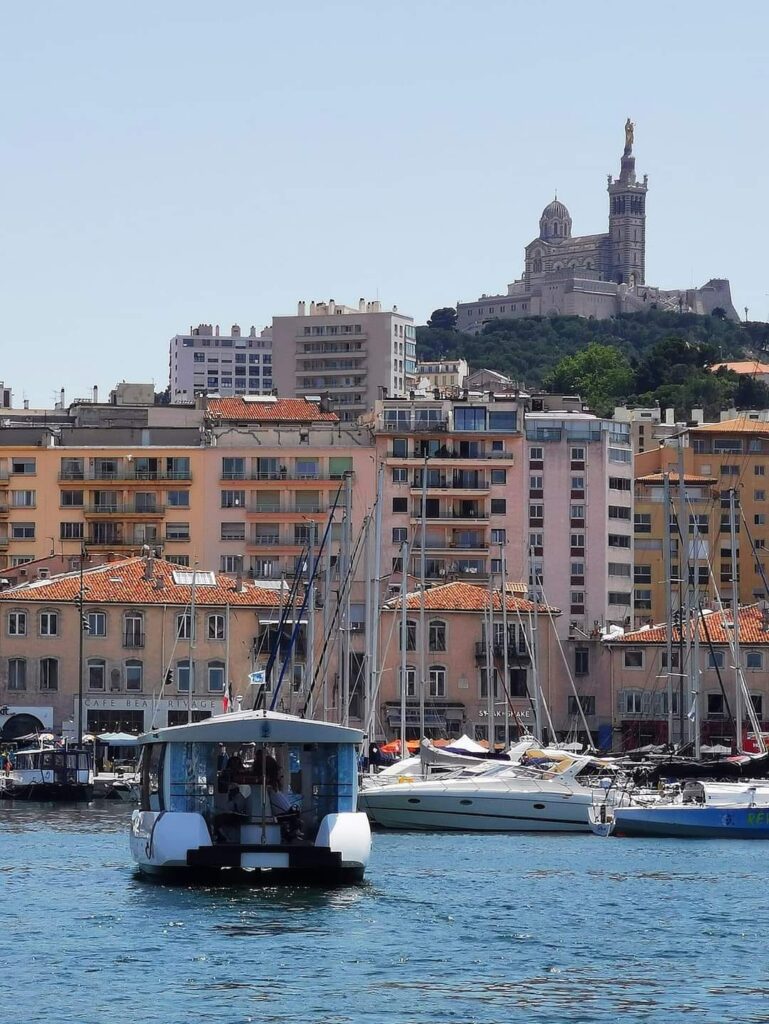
x: 445, y: 318
x: 672, y: 361
x: 600, y: 374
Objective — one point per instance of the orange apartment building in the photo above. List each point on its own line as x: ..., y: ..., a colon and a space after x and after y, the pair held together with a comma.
x: 718, y: 458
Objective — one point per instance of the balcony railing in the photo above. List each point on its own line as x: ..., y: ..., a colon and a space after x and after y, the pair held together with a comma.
x: 516, y: 651
x: 128, y: 474
x: 124, y: 508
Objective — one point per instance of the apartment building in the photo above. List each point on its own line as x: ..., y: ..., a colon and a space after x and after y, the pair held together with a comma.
x: 443, y: 373
x: 637, y: 678
x: 718, y: 458
x: 206, y: 361
x: 456, y: 668
x: 274, y: 471
x: 347, y: 354
x: 579, y: 492
x: 467, y: 453
x: 140, y: 666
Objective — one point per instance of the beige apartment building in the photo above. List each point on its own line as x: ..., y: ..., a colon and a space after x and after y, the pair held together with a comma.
x: 350, y: 355
x: 453, y: 650
x: 146, y: 660
x: 466, y: 453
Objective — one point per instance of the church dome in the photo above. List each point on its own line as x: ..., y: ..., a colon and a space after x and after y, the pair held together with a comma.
x: 555, y: 222
x: 555, y: 209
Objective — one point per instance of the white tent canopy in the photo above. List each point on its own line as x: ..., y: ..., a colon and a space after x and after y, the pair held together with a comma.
x: 118, y: 739
x: 465, y: 743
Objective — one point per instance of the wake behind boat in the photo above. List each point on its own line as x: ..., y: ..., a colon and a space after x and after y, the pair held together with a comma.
x: 254, y: 792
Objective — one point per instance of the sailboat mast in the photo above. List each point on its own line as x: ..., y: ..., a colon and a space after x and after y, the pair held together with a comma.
x: 404, y: 642
x: 372, y: 626
x: 683, y: 568
x: 738, y: 696
x: 309, y: 658
x: 533, y: 645
x: 488, y: 622
x: 668, y: 602
x: 422, y: 636
x: 191, y: 686
x: 505, y: 646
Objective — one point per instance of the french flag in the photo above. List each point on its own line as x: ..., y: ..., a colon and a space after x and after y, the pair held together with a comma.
x: 227, y: 703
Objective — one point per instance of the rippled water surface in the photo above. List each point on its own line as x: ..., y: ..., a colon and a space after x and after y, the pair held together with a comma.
x: 447, y: 928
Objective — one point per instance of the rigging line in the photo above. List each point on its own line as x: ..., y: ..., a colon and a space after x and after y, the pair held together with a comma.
x: 754, y: 549
x: 297, y: 580
x: 530, y: 653
x: 343, y: 584
x: 538, y: 582
x: 712, y: 650
x: 740, y: 676
x: 566, y: 665
x: 156, y: 697
x: 285, y: 608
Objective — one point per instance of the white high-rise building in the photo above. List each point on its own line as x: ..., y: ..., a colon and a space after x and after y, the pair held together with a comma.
x: 350, y: 355
x: 208, y: 362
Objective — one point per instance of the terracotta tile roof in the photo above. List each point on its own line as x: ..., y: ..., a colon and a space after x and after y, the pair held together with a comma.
x: 749, y: 366
x: 689, y: 478
x: 752, y: 629
x: 467, y: 597
x: 739, y: 425
x: 287, y: 410
x: 124, y: 582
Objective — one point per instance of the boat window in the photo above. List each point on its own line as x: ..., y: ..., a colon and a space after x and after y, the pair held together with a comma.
x: 192, y: 768
x: 152, y: 776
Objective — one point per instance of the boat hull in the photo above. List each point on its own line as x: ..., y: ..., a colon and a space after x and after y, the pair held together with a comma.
x: 468, y: 812
x: 45, y: 792
x: 179, y: 845
x: 692, y: 822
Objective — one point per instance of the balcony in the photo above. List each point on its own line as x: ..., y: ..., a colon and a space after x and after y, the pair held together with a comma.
x: 121, y: 543
x: 4, y: 509
x: 125, y: 509
x: 126, y: 475
x: 515, y: 652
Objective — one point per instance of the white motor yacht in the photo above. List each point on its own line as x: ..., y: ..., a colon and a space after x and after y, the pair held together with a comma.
x: 492, y: 797
x: 251, y: 792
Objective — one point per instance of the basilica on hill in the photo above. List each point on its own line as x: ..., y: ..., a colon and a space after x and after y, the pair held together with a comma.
x: 593, y: 275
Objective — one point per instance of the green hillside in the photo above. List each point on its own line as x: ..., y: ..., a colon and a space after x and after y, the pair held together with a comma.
x: 647, y: 357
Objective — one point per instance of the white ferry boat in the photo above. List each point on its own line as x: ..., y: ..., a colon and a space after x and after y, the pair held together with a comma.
x: 253, y: 791
x: 48, y: 773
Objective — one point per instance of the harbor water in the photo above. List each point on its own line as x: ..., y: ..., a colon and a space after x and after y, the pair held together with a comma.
x: 446, y: 928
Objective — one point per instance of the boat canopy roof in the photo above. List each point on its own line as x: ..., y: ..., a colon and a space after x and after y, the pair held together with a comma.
x: 254, y: 727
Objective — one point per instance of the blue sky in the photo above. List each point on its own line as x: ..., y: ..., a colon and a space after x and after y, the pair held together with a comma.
x: 168, y: 163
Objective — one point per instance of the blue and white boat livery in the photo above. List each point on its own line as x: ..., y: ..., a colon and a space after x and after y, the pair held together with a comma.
x: 701, y: 810
x: 256, y: 793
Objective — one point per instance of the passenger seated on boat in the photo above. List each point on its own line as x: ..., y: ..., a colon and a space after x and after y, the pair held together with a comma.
x: 287, y: 814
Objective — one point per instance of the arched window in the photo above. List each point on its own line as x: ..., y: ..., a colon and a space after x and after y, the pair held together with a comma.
x: 96, y: 673
x: 216, y: 676
x: 183, y: 675
x: 537, y: 266
x: 411, y: 681
x: 555, y: 227
x: 483, y: 690
x: 437, y: 680
x: 411, y: 635
x: 134, y: 674
x: 49, y: 674
x: 17, y: 673
x: 133, y: 629
x: 437, y: 635
x: 216, y: 627
x: 17, y: 623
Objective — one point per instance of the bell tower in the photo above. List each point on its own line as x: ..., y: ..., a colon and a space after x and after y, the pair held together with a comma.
x: 627, y: 220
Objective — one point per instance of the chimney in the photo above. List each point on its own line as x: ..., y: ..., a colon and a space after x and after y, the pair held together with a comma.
x: 698, y: 416
x: 26, y: 403
x: 670, y: 417
x: 216, y: 332
x: 159, y: 583
x: 312, y: 308
x: 252, y: 332
x: 95, y: 394
x: 239, y: 588
x: 149, y: 567
x: 331, y: 306
x: 61, y: 398
x: 300, y: 308
x: 361, y: 305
